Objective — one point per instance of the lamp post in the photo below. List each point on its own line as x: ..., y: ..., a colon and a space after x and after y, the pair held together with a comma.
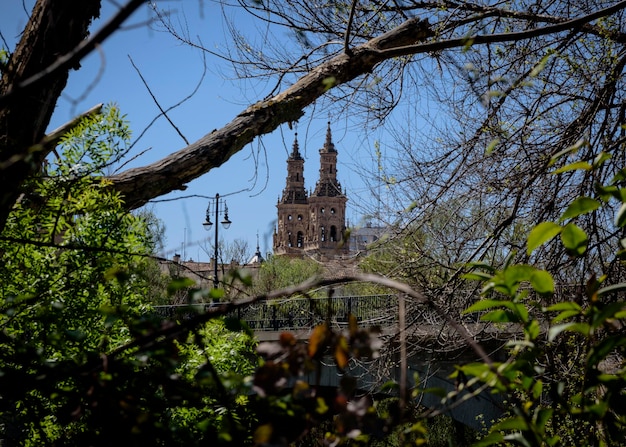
x: 208, y: 224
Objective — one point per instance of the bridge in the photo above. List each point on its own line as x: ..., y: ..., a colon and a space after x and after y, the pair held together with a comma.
x: 434, y: 347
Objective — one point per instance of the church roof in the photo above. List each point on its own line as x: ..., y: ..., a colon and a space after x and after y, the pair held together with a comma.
x: 257, y: 258
x: 327, y: 189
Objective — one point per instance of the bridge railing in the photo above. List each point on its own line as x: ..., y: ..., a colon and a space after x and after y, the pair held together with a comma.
x: 304, y: 313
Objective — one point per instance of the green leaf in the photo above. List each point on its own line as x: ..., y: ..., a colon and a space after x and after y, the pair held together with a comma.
x: 599, y: 409
x: 477, y: 276
x: 581, y: 328
x: 439, y: 392
x: 533, y: 329
x: 542, y: 282
x: 604, y: 348
x: 612, y: 289
x: 574, y: 239
x: 492, y: 146
x: 540, y: 66
x: 537, y: 389
x: 620, y: 176
x: 216, y: 294
x: 620, y: 217
x: 508, y: 280
x: 472, y: 266
x: 483, y: 305
x: 541, y: 234
x: 389, y: 386
x: 564, y: 316
x: 582, y: 205
x: 567, y: 150
x: 543, y: 415
x: 501, y: 316
x: 512, y: 423
x: 493, y: 438
x: 606, y: 192
x: 329, y: 82
x: 234, y: 324
x: 565, y: 305
x: 177, y: 284
x: 567, y: 310
x: 573, y: 167
x: 600, y: 159
x: 607, y: 312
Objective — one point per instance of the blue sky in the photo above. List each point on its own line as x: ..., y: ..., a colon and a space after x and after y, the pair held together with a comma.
x: 252, y: 180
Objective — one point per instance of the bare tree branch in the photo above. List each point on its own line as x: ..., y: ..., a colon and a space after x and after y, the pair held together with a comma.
x: 139, y: 185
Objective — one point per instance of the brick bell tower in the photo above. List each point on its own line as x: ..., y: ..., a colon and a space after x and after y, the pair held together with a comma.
x: 315, y: 224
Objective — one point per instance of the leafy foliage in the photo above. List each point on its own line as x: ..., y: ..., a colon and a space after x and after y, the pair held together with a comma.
x: 282, y: 271
x: 566, y: 377
x: 75, y: 306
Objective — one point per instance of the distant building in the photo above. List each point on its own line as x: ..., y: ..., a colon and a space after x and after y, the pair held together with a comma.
x: 361, y: 238
x: 202, y: 273
x: 257, y: 257
x: 315, y: 223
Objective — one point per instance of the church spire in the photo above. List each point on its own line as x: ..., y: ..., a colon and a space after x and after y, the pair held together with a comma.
x: 295, y: 151
x: 328, y: 144
x: 294, y: 191
x: 257, y: 258
x: 327, y: 184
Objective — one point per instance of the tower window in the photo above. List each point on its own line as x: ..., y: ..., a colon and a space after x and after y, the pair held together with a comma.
x: 333, y: 233
x: 322, y: 210
x: 289, y: 217
x: 332, y: 211
x: 299, y: 216
x: 300, y: 240
x: 323, y: 233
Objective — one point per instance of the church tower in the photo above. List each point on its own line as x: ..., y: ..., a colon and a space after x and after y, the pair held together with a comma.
x: 314, y: 224
x: 293, y: 206
x: 327, y: 204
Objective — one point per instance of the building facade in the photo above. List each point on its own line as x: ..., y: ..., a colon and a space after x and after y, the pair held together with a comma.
x: 315, y: 223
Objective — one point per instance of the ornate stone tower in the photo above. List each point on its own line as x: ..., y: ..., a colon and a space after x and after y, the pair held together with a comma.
x: 293, y: 207
x: 314, y: 224
x: 327, y: 204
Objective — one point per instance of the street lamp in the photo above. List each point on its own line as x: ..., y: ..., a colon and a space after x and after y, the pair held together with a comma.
x: 208, y: 224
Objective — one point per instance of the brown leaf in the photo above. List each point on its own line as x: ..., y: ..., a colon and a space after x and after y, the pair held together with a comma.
x: 263, y: 434
x: 352, y: 324
x: 341, y: 353
x: 317, y: 339
x: 287, y: 339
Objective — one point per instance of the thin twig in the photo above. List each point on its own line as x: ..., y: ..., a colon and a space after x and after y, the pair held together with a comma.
x: 346, y: 42
x: 163, y: 112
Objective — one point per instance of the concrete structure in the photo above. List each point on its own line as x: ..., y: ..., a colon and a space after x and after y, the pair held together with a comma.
x: 315, y: 223
x: 362, y: 237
